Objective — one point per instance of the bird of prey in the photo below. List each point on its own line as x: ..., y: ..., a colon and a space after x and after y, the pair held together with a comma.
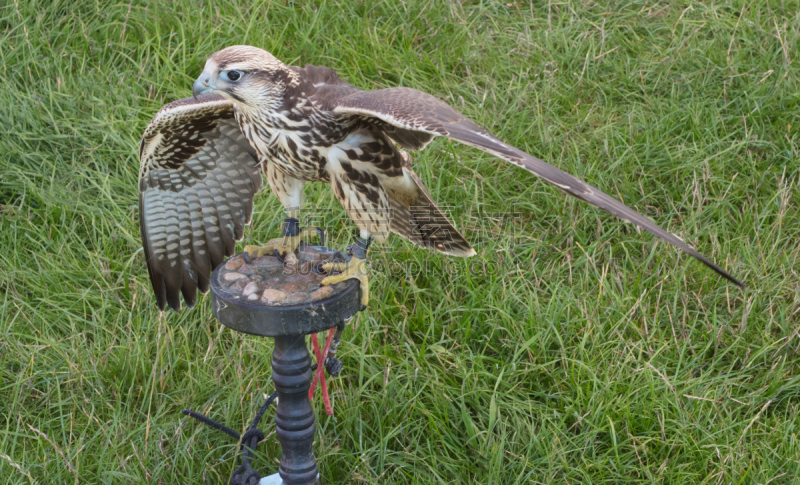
x: 202, y: 157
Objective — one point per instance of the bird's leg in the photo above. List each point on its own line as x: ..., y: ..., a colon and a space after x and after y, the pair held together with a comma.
x: 406, y: 156
x: 288, y: 243
x: 355, y: 268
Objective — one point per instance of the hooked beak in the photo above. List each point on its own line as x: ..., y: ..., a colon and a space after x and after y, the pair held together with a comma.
x: 203, y: 85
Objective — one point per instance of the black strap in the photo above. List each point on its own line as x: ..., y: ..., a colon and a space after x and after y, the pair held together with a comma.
x: 291, y: 227
x: 359, y: 248
x: 245, y: 474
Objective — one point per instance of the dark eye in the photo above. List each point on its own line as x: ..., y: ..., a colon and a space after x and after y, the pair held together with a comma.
x: 234, y: 75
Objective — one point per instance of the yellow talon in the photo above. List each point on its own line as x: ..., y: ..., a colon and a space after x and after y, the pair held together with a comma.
x: 265, y: 250
x: 284, y: 245
x: 355, y: 268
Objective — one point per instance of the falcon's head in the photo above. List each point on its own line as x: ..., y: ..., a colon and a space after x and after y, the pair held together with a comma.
x: 251, y: 77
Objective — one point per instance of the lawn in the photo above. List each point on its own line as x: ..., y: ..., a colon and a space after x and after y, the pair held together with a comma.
x: 572, y: 349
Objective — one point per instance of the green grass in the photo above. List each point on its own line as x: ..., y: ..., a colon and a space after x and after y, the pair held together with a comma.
x: 571, y: 349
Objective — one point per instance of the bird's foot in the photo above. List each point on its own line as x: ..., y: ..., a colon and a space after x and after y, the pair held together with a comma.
x: 355, y: 268
x: 282, y: 246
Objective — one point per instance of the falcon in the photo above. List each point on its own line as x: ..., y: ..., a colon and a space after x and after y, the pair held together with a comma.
x: 202, y: 158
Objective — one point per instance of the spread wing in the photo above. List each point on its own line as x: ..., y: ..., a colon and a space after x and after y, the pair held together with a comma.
x: 414, y: 111
x: 197, y: 178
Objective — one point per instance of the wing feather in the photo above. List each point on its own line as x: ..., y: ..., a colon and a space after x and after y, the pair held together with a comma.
x: 224, y: 218
x: 201, y: 259
x: 216, y: 248
x: 409, y: 109
x: 198, y: 176
x: 188, y: 266
x: 171, y: 268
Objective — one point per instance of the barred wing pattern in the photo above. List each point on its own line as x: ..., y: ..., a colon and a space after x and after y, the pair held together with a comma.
x: 409, y: 109
x: 198, y: 176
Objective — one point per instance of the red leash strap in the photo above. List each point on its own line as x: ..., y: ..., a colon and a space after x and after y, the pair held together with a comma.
x: 318, y: 355
x: 319, y: 375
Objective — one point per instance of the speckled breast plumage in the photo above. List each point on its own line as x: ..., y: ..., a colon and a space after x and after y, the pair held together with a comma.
x: 297, y: 144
